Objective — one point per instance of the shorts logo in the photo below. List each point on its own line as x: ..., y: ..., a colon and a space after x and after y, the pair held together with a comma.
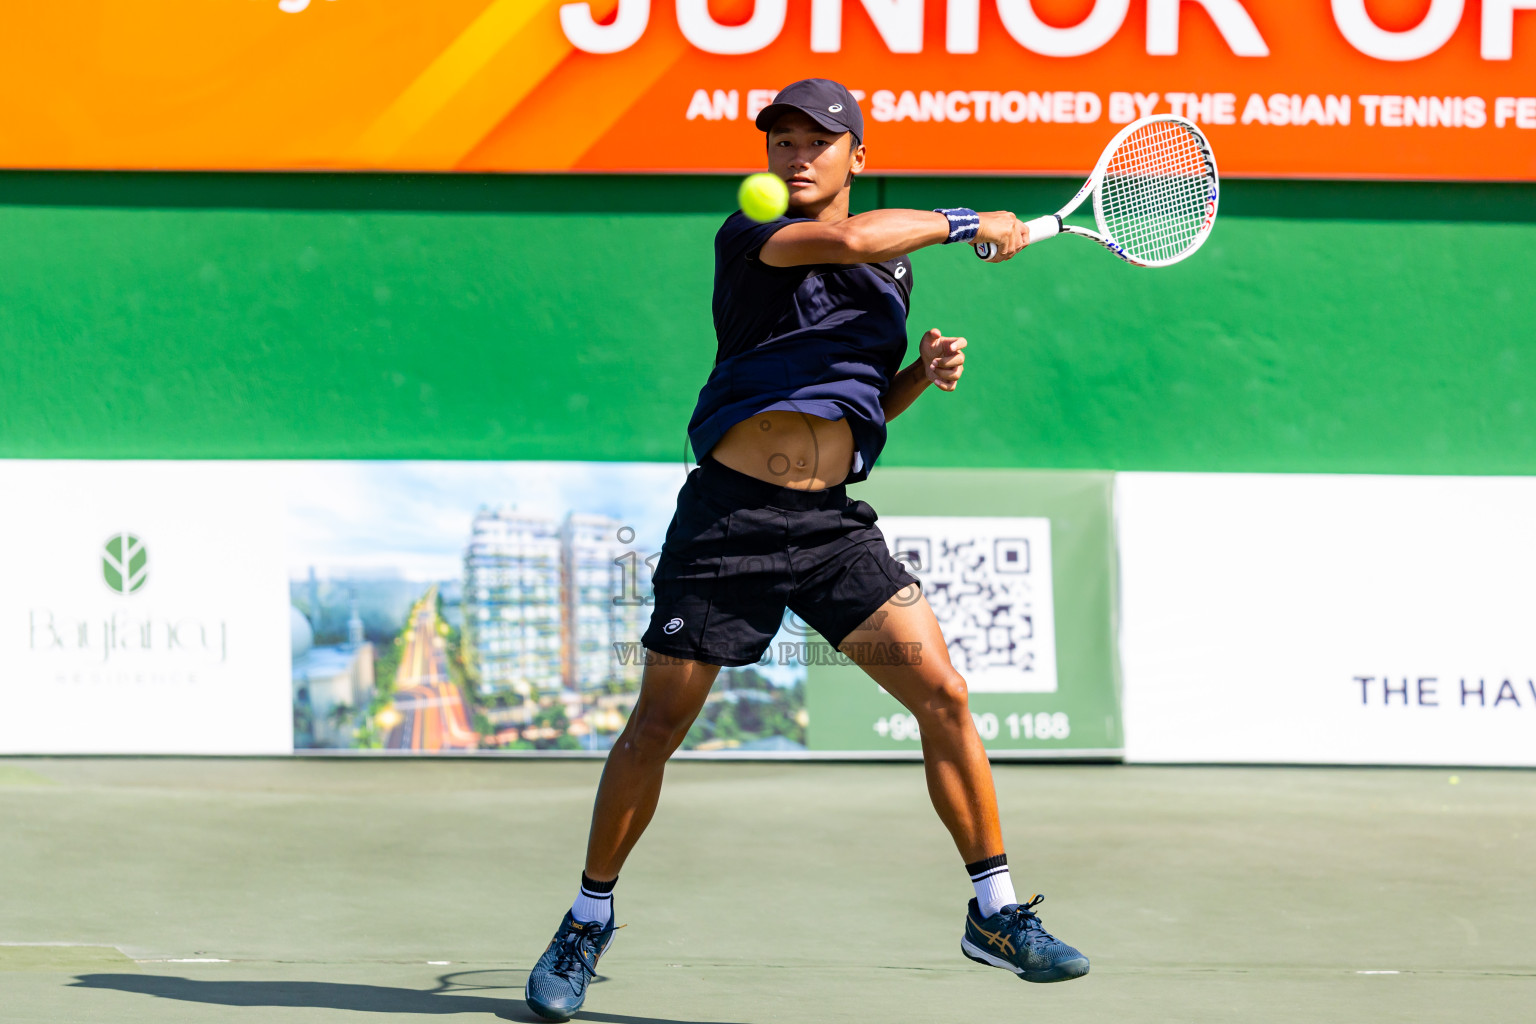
x: 673, y: 625
x: 901, y: 272
x: 836, y: 108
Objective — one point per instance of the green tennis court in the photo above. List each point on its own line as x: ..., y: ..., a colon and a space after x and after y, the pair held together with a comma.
x: 335, y: 890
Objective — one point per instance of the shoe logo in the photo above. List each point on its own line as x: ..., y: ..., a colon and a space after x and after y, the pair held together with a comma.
x: 673, y: 625
x: 997, y: 940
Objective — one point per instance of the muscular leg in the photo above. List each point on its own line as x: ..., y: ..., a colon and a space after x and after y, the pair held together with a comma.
x: 959, y: 777
x: 671, y: 693
x: 960, y: 782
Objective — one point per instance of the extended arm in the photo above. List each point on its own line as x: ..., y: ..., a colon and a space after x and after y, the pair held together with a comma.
x: 880, y: 235
x: 940, y: 360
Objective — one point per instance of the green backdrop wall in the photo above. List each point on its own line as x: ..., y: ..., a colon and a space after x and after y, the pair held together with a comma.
x: 1325, y: 327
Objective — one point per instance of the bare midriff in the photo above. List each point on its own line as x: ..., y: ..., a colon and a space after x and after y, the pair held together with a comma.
x: 791, y: 449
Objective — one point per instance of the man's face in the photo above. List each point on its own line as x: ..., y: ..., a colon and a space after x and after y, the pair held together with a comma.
x: 816, y: 164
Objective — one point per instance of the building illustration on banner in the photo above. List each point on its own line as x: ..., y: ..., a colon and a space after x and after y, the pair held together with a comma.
x: 521, y: 633
x: 544, y: 601
x: 545, y: 611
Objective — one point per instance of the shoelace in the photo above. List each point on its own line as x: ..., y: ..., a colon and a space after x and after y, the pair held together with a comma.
x: 568, y: 961
x: 1031, y: 920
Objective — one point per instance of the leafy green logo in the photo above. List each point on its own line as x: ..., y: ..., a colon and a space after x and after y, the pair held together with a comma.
x: 125, y: 564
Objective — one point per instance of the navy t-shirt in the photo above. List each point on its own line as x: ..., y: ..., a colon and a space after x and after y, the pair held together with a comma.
x: 825, y: 339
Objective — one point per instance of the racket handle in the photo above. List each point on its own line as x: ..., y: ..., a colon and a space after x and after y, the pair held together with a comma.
x: 1045, y: 227
x: 1039, y: 230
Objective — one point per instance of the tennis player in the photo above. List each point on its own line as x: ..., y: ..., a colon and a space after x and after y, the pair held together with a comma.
x: 810, y: 313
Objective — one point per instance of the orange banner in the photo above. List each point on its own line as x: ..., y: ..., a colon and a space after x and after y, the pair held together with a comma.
x: 1317, y: 88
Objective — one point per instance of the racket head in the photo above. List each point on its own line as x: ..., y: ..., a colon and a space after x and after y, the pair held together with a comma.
x: 1157, y: 191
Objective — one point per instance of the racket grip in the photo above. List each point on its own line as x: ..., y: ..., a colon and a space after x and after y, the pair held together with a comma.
x: 1039, y: 230
x: 1045, y: 227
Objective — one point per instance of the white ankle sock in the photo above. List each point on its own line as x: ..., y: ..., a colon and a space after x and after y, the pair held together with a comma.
x: 994, y: 885
x: 594, y: 901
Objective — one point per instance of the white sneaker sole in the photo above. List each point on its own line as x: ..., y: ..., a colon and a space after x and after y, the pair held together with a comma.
x: 1064, y: 971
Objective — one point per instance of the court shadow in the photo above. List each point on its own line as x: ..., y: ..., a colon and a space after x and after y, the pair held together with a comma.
x: 339, y: 996
x: 325, y: 994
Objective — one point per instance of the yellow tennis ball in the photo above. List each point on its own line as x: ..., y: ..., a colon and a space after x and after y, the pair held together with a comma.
x: 763, y: 196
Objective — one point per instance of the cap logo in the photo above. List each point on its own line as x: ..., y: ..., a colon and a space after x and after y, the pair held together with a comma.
x: 836, y: 108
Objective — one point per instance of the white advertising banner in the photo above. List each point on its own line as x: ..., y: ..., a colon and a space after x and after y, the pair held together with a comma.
x: 145, y: 609
x: 266, y: 607
x: 1328, y: 619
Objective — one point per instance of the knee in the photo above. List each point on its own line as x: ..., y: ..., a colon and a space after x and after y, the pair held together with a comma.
x: 948, y: 701
x: 653, y: 736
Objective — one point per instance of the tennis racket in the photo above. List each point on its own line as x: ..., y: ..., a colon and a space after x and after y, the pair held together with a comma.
x: 1154, y: 195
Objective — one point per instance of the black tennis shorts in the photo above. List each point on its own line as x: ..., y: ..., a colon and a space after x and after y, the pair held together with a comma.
x: 740, y: 550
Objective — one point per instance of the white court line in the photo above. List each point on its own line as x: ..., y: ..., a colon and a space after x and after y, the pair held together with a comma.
x: 57, y: 945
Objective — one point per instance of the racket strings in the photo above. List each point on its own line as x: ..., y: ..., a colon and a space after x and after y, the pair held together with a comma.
x: 1157, y: 186
x: 1155, y: 192
x: 1157, y: 195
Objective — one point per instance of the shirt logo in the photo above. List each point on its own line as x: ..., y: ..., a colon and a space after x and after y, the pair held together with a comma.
x: 901, y: 271
x: 673, y: 625
x: 836, y: 108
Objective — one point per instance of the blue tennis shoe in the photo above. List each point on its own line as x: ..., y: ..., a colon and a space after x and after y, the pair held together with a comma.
x: 1015, y: 940
x: 557, y: 985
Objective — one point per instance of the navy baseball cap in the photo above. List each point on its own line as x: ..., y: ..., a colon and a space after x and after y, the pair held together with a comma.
x: 822, y: 100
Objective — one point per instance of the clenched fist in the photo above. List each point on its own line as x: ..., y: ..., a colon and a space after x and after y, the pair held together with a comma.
x: 1003, y: 230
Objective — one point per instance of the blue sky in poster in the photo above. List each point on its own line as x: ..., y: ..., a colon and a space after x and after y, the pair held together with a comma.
x: 413, y: 518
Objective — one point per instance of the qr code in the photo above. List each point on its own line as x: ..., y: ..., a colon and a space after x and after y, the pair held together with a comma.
x: 988, y: 581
